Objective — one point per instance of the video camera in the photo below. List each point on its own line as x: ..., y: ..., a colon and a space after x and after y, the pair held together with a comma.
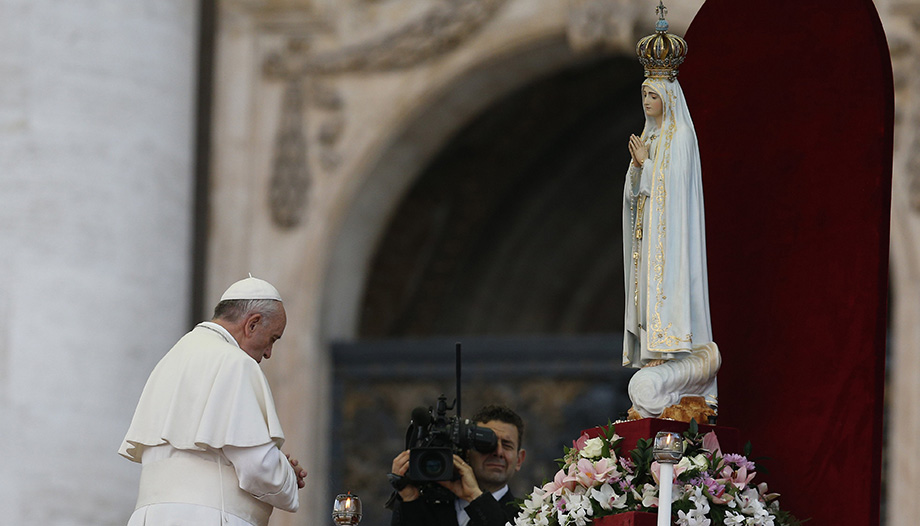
x: 433, y: 440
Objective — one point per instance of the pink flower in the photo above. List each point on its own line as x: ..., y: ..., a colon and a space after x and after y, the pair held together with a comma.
x: 628, y: 465
x: 711, y: 444
x: 590, y: 474
x: 739, y: 478
x: 738, y: 460
x: 656, y: 471
x: 560, y: 482
x: 717, y: 492
x: 580, y: 443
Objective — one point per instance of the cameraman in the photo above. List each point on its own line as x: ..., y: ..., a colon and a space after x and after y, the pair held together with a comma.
x: 481, y: 494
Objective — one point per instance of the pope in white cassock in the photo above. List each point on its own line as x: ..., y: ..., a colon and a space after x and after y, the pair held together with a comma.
x: 667, y: 326
x: 205, y: 429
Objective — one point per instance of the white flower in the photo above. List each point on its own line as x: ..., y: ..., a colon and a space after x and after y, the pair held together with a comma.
x: 762, y: 517
x: 579, y: 509
x: 593, y: 448
x: 679, y: 490
x: 683, y: 465
x: 696, y: 516
x: 535, y: 502
x: 692, y: 518
x: 734, y: 519
x: 700, y: 501
x: 608, y: 498
x: 749, y: 502
x: 688, y: 463
x: 649, y: 496
x: 700, y: 461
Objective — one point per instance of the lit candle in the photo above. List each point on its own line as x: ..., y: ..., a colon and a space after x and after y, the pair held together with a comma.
x: 347, y: 510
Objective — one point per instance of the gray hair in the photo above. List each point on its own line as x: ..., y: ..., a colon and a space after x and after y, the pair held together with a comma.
x: 235, y: 310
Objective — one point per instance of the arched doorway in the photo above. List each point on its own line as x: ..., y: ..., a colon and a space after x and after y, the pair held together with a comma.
x: 514, y: 228
x: 509, y: 241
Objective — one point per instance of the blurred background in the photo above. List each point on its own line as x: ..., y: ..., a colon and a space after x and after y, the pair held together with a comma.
x: 408, y: 173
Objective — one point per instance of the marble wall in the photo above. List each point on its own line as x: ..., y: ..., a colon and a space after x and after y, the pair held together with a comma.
x: 96, y: 134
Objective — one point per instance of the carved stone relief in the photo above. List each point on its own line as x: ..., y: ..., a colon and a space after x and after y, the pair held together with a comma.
x: 308, y: 87
x: 604, y: 24
x: 290, y: 180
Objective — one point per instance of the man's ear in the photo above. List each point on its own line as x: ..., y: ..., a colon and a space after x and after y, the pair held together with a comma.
x: 520, y: 459
x: 251, y: 322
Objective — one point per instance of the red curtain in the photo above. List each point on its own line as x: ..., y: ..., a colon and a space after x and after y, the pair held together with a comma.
x: 793, y: 106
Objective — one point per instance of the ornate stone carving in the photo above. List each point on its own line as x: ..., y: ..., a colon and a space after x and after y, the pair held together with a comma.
x: 290, y: 182
x: 442, y: 29
x: 604, y: 24
x: 439, y: 31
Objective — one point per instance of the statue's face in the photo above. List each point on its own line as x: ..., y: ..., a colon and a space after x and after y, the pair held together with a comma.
x: 651, y: 102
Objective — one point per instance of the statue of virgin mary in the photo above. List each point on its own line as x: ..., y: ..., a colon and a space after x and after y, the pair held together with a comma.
x: 667, y: 333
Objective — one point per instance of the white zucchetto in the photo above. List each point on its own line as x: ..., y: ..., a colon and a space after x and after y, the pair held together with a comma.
x: 251, y: 289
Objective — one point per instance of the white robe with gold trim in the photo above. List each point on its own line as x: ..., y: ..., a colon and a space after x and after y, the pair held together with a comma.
x: 664, y: 248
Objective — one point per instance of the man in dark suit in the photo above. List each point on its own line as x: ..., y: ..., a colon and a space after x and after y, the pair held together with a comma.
x: 480, y: 497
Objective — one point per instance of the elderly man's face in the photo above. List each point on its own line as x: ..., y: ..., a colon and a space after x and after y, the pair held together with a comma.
x: 262, y: 336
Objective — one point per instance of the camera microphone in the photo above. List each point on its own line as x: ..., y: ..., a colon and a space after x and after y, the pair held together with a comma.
x: 421, y: 417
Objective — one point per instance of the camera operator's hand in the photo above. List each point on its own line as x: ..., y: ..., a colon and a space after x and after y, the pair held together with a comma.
x: 400, y: 467
x: 467, y: 488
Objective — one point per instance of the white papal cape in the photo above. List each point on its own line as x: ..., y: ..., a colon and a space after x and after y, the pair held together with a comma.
x: 208, y: 435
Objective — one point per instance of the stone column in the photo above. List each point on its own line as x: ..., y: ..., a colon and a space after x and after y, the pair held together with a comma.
x: 902, y: 25
x: 96, y: 149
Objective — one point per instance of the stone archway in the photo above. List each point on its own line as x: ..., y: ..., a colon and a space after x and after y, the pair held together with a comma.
x: 533, y: 183
x: 427, y: 129
x: 514, y: 228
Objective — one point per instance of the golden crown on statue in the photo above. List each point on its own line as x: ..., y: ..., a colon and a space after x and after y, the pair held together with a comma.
x: 661, y: 53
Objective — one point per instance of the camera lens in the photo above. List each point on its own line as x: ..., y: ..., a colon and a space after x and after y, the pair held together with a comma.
x: 482, y: 439
x: 432, y: 465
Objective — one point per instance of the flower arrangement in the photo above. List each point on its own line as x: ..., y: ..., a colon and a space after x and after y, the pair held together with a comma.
x: 710, y: 489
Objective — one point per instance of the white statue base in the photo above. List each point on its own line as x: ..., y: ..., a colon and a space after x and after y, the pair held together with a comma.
x: 652, y: 390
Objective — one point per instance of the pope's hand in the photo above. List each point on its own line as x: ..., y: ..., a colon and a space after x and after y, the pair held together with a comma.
x: 300, y: 472
x: 467, y: 488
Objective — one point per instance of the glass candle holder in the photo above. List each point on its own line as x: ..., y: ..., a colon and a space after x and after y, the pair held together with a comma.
x: 346, y: 510
x: 668, y: 447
